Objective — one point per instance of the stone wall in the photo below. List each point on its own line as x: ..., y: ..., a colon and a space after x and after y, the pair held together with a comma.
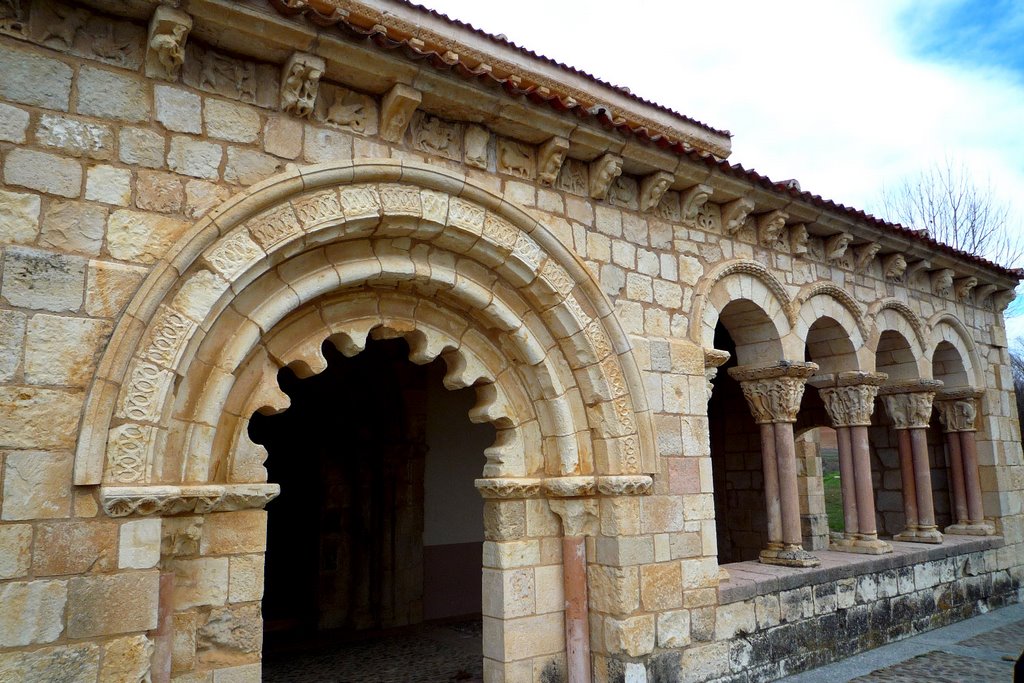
x: 103, y: 170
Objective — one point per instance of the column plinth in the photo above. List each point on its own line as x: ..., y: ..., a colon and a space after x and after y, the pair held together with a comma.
x: 773, y: 394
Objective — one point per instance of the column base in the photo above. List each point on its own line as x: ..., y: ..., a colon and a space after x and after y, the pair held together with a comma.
x: 932, y: 535
x: 863, y: 546
x: 971, y: 529
x: 792, y: 556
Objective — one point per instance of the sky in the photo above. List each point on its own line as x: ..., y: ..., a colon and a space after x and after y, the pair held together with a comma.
x: 846, y: 97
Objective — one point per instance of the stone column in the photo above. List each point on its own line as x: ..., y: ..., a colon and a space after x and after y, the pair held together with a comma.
x: 909, y: 405
x: 958, y: 412
x: 578, y: 520
x: 849, y: 398
x: 773, y: 394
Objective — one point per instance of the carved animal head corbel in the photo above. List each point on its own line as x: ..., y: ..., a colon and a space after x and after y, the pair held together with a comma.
x: 165, y: 45
x: 550, y: 158
x: 653, y: 188
x: 603, y: 171
x: 734, y: 214
x: 694, y: 199
x: 865, y: 254
x: 835, y: 246
x: 396, y: 111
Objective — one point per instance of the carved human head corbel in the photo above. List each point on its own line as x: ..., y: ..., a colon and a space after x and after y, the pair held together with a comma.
x: 165, y: 45
x: 603, y: 171
x: 799, y: 239
x: 734, y: 214
x: 836, y: 245
x: 770, y: 227
x: 550, y: 158
x: 653, y: 188
x: 893, y: 266
x: 942, y: 282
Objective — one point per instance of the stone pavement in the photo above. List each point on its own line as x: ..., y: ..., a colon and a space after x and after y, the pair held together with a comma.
x: 978, y: 650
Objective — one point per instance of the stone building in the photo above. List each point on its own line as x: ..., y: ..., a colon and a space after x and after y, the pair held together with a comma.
x: 483, y: 322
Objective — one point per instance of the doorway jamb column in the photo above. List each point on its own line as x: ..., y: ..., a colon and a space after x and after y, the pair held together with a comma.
x: 773, y: 393
x: 909, y: 405
x: 849, y: 399
x: 579, y: 516
x: 958, y: 413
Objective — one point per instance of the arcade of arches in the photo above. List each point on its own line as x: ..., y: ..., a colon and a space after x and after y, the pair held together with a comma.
x: 326, y: 320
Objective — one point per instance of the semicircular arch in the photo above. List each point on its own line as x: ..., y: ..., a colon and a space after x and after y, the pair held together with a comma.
x: 949, y: 332
x: 897, y: 341
x: 830, y: 324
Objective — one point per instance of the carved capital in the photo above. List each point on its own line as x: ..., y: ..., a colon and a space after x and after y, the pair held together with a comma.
x: 603, y: 172
x: 165, y: 45
x: 693, y: 199
x: 849, y: 397
x: 836, y: 245
x: 942, y: 282
x: 300, y: 81
x: 963, y: 287
x: 958, y: 408
x: 508, y: 487
x: 549, y: 159
x: 570, y: 487
x: 770, y: 227
x: 653, y: 188
x: 909, y: 404
x: 774, y: 392
x: 893, y: 266
x: 713, y: 359
x: 579, y: 515
x: 734, y: 214
x: 799, y: 239
x: 865, y: 254
x: 625, y: 485
x: 164, y: 501
x: 396, y: 111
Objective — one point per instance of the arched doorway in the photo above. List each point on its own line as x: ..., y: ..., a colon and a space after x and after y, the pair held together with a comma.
x: 376, y: 538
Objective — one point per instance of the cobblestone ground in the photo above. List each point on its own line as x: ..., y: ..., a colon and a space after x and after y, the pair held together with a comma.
x: 979, y: 659
x: 428, y: 654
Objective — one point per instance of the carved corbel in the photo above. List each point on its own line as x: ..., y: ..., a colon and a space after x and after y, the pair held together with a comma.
x: 865, y: 254
x: 165, y: 46
x: 734, y: 214
x: 835, y: 246
x: 893, y: 266
x: 984, y: 291
x: 942, y: 282
x: 770, y: 227
x: 396, y: 111
x: 603, y: 172
x: 799, y: 239
x: 916, y: 267
x: 653, y: 188
x: 300, y: 81
x: 693, y: 199
x: 713, y: 359
x: 549, y: 161
x: 963, y: 287
x: 579, y: 515
x: 1002, y: 299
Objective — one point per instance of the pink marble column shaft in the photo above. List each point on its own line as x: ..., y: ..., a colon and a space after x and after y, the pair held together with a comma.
x: 846, y: 481
x: 956, y: 473
x: 972, y: 477
x: 577, y: 621
x: 770, y: 464
x: 922, y: 479
x: 785, y: 452
x: 865, y: 492
x: 907, y: 478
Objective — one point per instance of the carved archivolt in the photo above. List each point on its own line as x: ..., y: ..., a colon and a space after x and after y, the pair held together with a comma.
x: 904, y: 311
x: 378, y: 249
x: 946, y: 327
x: 836, y: 293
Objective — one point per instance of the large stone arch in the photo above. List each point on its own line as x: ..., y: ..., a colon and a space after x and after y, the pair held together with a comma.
x: 749, y: 290
x: 893, y: 321
x: 340, y: 252
x: 830, y: 323
x: 960, y: 366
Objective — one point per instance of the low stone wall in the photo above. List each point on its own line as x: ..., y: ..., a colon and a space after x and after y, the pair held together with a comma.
x: 776, y: 621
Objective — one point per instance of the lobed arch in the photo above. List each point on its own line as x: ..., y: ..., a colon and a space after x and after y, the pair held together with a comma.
x: 753, y: 306
x: 953, y: 353
x: 831, y: 325
x: 344, y: 251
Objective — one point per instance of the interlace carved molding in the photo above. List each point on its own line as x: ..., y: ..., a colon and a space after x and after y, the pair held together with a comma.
x: 163, y: 501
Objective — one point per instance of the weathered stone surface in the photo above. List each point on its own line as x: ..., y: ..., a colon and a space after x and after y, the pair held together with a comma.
x: 244, y: 673
x: 247, y: 167
x: 37, y: 485
x: 63, y: 351
x: 526, y: 636
x: 43, y: 280
x: 13, y: 124
x: 231, y: 635
x: 112, y: 603
x: 109, y: 185
x: 674, y: 629
x: 110, y: 286
x: 19, y: 216
x: 231, y: 121
x: 44, y: 172
x: 74, y: 547
x: 162, y: 192
x: 142, y: 147
x: 32, y: 79
x: 139, y: 544
x: 74, y: 226
x: 195, y: 158
x: 201, y: 196
x: 109, y: 95
x: 183, y: 647
x: 12, y: 336
x: 226, y: 533
x: 200, y: 582
x: 661, y: 586
x: 33, y: 612
x: 15, y: 550
x: 126, y: 660
x: 245, y: 578
x: 322, y: 145
x: 75, y: 137
x: 178, y: 110
x: 141, y: 237
x: 77, y: 663
x: 282, y: 136
x: 633, y: 636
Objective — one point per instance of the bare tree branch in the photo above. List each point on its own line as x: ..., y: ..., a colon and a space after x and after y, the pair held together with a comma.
x: 944, y: 201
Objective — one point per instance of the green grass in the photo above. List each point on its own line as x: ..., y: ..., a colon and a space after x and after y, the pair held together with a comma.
x: 834, y: 502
